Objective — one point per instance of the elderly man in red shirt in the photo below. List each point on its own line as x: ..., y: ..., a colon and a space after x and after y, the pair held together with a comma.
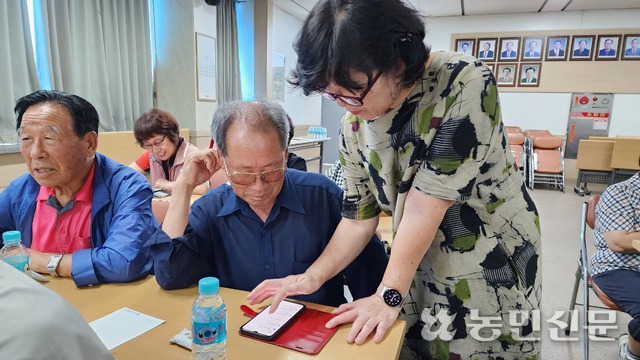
x: 81, y: 214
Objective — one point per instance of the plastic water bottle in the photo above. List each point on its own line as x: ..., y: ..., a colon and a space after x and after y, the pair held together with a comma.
x: 323, y: 132
x: 209, y: 322
x: 13, y: 252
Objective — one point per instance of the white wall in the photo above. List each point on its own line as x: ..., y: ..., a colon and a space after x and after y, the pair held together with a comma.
x: 302, y: 109
x: 204, y: 22
x: 626, y: 115
x: 536, y: 111
x: 518, y: 108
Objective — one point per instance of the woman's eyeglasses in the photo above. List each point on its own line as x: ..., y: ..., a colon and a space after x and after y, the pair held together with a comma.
x: 351, y: 100
x: 155, y: 143
x: 248, y: 178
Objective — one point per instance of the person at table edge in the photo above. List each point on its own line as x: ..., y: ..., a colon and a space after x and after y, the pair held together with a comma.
x: 81, y: 214
x: 268, y: 221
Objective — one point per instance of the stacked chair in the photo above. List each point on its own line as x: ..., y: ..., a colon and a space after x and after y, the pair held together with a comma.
x: 515, y: 137
x: 545, y: 159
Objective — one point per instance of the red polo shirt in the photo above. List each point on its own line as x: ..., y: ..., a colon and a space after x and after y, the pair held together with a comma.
x: 63, y: 230
x: 143, y: 160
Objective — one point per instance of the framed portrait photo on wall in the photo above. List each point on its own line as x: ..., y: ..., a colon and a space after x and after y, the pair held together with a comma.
x: 557, y: 48
x: 492, y: 67
x: 582, y: 47
x: 509, y: 49
x: 465, y: 46
x: 529, y: 74
x: 487, y: 49
x: 532, y: 48
x: 608, y: 47
x: 631, y: 47
x: 506, y: 74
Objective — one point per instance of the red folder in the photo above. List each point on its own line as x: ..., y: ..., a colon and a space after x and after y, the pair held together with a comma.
x: 306, y: 334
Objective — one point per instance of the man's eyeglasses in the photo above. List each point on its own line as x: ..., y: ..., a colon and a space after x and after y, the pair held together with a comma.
x: 155, y: 143
x: 248, y: 178
x: 351, y: 100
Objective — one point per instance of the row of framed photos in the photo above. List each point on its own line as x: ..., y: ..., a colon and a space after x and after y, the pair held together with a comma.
x: 514, y: 74
x: 553, y: 48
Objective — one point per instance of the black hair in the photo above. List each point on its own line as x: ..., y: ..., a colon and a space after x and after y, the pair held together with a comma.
x: 292, y: 129
x: 367, y: 36
x: 582, y: 41
x: 530, y: 68
x: 84, y: 117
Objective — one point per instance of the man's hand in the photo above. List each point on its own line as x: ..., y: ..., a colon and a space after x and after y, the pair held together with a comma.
x: 199, y: 167
x: 366, y: 314
x: 38, y: 263
x: 301, y: 284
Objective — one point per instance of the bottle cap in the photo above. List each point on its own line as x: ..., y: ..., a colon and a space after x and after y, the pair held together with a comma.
x: 208, y: 286
x: 11, y: 237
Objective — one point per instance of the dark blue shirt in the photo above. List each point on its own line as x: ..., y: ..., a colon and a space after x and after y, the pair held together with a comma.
x: 226, y: 239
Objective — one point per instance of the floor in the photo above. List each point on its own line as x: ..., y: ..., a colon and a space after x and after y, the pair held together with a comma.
x: 560, y: 220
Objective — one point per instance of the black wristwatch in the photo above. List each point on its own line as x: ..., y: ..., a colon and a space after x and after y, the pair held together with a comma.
x: 391, y: 297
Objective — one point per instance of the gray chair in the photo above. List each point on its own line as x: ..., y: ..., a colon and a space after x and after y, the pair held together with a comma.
x: 583, y: 275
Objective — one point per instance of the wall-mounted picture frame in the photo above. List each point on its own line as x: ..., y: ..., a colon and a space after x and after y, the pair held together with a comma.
x: 532, y: 48
x: 487, y: 49
x: 608, y: 47
x: 492, y: 67
x: 506, y: 74
x: 509, y: 49
x: 557, y: 48
x: 529, y: 75
x: 631, y: 47
x: 582, y: 47
x: 466, y: 46
x: 206, y: 67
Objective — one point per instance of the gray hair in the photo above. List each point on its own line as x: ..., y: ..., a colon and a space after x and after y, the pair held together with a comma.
x: 260, y: 116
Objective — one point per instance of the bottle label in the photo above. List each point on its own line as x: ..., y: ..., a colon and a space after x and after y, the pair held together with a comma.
x: 19, y: 262
x: 210, y: 332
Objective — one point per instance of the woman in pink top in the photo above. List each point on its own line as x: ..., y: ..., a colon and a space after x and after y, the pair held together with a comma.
x: 157, y: 132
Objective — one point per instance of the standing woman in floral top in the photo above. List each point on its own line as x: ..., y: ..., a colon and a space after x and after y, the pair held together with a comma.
x: 423, y: 141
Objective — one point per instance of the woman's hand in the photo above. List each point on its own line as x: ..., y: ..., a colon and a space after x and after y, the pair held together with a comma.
x: 302, y: 284
x: 366, y: 314
x: 163, y: 184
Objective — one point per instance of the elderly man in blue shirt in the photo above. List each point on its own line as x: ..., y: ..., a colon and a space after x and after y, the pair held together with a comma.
x: 269, y: 222
x: 81, y: 214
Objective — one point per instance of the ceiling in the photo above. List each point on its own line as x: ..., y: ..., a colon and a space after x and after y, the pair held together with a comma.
x: 300, y: 8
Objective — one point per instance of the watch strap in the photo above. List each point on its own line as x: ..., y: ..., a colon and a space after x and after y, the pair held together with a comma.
x: 53, y: 263
x: 386, y: 289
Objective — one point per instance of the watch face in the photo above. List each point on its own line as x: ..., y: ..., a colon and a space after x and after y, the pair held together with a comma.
x: 392, y: 297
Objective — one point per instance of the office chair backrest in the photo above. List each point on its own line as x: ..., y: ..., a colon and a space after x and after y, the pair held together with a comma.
x: 591, y: 211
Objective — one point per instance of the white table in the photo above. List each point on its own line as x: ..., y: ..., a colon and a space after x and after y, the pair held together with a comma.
x: 303, y: 143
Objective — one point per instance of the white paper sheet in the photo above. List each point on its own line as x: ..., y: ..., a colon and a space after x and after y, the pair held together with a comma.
x: 123, y: 325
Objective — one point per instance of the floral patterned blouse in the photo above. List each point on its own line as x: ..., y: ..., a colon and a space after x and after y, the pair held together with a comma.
x: 447, y: 140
